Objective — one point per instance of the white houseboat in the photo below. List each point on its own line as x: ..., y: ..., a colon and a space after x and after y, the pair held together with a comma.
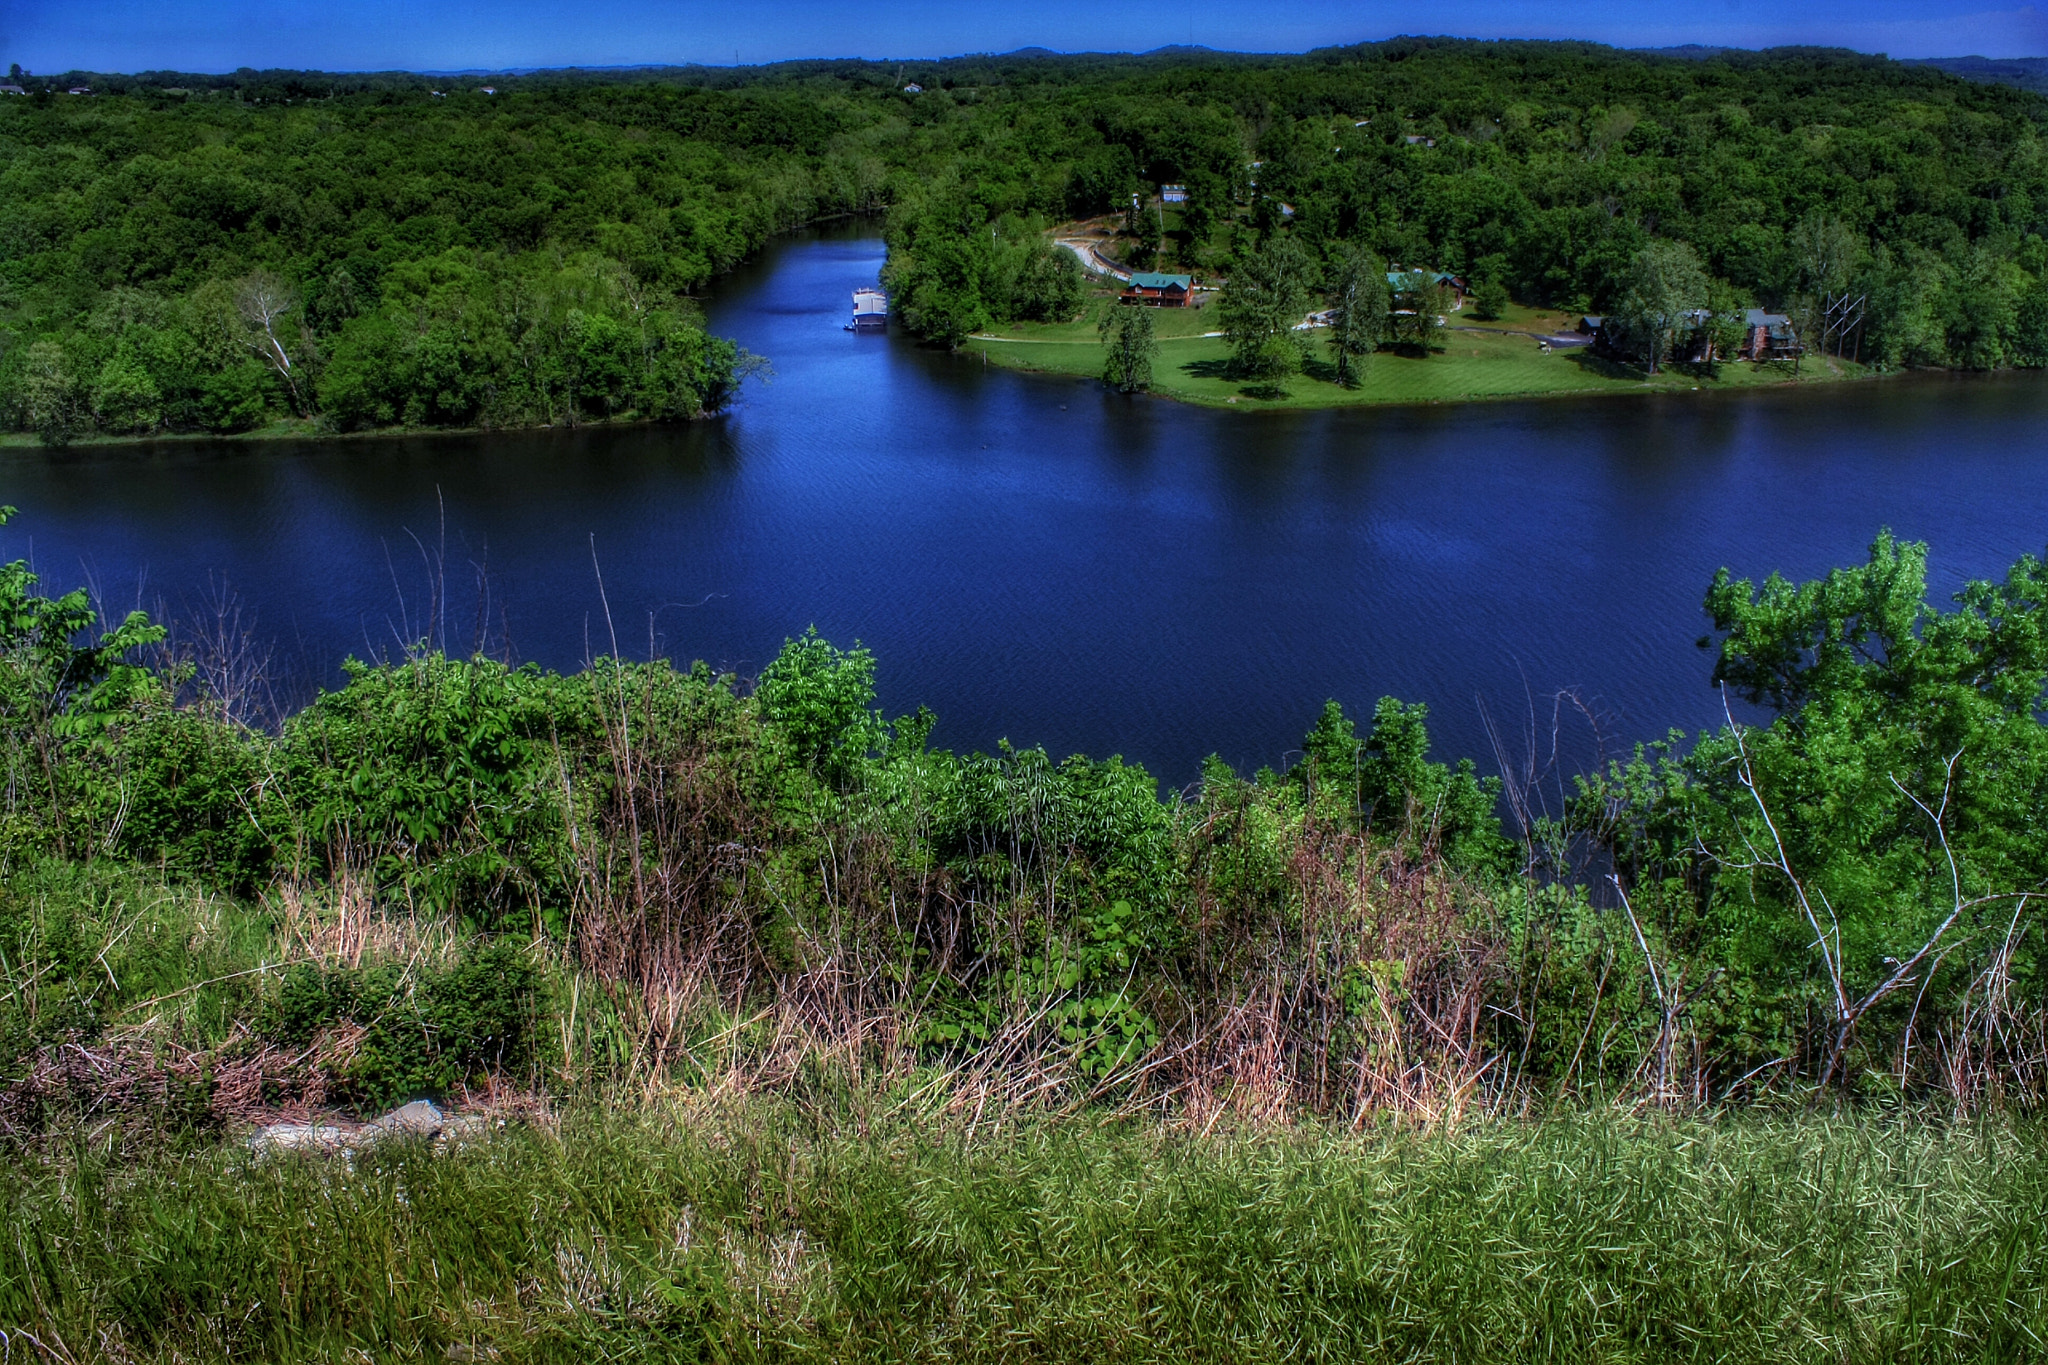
x: 870, y: 310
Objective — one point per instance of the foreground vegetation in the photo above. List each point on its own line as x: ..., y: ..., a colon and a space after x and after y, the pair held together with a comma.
x: 880, y: 1229
x: 451, y: 873
x: 811, y: 1040
x: 218, y: 254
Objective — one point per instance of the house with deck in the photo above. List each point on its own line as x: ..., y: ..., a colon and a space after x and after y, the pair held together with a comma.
x: 1154, y: 290
x: 1768, y: 336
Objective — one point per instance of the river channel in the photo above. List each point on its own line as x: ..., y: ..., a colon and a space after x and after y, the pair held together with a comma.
x: 1040, y: 560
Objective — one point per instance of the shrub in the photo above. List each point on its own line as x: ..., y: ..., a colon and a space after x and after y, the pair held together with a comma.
x: 425, y: 1032
x: 434, y: 774
x: 179, y: 787
x: 1489, y: 300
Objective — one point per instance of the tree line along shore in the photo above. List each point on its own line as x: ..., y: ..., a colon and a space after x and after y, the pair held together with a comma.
x: 221, y: 254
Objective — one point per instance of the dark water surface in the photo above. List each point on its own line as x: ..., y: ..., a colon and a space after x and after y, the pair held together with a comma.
x: 1041, y: 560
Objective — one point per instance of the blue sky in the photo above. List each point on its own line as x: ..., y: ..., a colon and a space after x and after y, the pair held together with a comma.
x: 220, y: 35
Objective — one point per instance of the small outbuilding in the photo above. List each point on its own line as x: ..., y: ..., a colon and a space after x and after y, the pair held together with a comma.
x: 1173, y: 194
x: 1158, y: 291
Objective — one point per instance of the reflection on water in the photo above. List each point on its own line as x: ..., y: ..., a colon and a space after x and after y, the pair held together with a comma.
x: 1046, y: 561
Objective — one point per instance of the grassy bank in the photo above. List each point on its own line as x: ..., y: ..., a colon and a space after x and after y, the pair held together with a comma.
x: 882, y: 1229
x: 676, y: 1174
x: 1473, y: 361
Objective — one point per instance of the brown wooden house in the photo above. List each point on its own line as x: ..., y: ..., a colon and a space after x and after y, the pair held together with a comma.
x: 1158, y: 291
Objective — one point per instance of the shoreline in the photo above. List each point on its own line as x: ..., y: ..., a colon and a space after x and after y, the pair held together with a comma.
x: 1310, y: 392
x: 26, y: 442
x: 1325, y: 398
x: 305, y: 430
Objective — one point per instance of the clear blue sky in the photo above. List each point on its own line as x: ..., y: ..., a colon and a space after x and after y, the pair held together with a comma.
x: 220, y: 35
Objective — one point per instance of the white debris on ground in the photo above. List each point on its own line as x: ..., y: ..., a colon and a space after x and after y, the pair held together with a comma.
x: 283, y: 1136
x: 420, y: 1119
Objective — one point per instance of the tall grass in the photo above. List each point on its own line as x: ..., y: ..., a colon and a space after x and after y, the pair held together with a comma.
x: 864, y: 1231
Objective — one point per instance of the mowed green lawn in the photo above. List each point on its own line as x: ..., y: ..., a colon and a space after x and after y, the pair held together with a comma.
x: 1476, y: 360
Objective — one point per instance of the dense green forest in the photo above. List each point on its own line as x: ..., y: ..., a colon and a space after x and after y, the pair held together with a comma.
x: 214, y: 263
x: 1548, y: 169
x: 216, y: 253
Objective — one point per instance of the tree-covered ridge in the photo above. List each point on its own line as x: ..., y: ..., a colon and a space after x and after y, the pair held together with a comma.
x: 2028, y: 73
x: 217, y: 252
x: 463, y: 259
x: 1548, y: 168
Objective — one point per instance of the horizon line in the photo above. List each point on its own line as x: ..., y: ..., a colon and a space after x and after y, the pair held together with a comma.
x: 1035, y: 50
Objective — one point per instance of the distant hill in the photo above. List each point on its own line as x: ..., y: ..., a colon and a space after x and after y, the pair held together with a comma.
x: 2028, y: 73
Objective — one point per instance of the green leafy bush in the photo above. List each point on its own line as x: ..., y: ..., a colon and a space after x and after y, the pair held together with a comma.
x: 819, y: 697
x: 425, y: 1030
x: 182, y: 788
x: 1388, y: 782
x: 434, y: 774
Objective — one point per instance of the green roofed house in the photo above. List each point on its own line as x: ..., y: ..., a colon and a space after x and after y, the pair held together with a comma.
x: 1158, y: 291
x: 1412, y: 282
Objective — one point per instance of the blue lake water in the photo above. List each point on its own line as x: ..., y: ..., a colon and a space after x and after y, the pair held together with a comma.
x: 1040, y: 560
